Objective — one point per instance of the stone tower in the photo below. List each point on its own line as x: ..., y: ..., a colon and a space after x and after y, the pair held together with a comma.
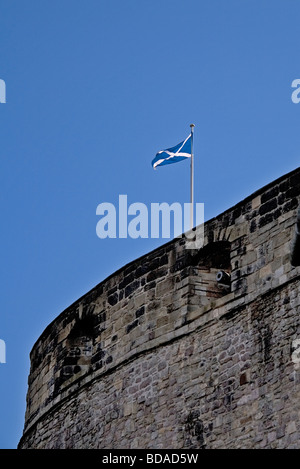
x: 181, y: 348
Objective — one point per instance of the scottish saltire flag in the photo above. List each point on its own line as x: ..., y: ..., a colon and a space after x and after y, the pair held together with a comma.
x: 172, y: 155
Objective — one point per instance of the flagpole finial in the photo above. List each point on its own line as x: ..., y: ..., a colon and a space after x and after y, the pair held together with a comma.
x: 192, y: 125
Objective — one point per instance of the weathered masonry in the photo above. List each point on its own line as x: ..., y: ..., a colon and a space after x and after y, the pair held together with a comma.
x: 182, y: 348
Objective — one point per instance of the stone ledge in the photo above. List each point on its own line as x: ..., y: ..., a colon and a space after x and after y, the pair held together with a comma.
x: 210, y: 315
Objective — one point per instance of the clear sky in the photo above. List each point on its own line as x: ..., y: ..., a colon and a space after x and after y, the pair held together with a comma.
x: 93, y: 90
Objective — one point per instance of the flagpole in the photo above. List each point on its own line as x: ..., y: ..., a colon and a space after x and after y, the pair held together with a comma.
x: 192, y: 178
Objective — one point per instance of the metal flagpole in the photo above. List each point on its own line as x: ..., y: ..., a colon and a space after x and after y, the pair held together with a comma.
x: 192, y: 177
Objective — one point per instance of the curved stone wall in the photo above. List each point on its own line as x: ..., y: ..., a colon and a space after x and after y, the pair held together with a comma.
x: 161, y: 355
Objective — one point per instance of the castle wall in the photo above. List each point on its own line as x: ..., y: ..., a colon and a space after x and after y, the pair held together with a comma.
x: 160, y: 355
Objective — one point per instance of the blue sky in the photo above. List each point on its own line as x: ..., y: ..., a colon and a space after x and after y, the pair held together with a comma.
x: 94, y: 90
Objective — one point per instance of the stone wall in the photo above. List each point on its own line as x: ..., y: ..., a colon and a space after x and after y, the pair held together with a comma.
x: 161, y: 355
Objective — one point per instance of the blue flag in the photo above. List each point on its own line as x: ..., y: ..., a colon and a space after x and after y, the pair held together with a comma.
x: 172, y: 155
